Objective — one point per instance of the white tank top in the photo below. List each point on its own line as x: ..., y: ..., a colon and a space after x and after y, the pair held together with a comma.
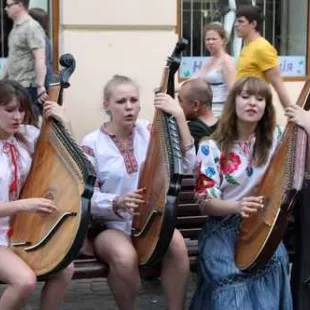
x: 218, y: 85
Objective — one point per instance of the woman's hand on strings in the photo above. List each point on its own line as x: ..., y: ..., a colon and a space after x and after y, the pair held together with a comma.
x: 40, y: 205
x: 54, y: 110
x: 41, y: 94
x: 299, y: 116
x: 129, y: 202
x: 249, y: 205
x: 167, y: 104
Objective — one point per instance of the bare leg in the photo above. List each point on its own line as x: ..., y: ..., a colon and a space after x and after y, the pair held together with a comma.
x: 54, y: 289
x: 20, y: 279
x: 175, y: 272
x: 115, y: 248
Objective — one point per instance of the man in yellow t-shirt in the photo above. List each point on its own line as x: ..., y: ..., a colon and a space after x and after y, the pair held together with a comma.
x: 258, y: 57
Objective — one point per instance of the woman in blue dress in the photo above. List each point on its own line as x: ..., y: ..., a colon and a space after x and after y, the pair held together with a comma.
x: 230, y: 165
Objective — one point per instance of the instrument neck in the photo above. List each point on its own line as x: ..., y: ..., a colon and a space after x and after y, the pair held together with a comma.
x: 162, y: 89
x: 53, y: 95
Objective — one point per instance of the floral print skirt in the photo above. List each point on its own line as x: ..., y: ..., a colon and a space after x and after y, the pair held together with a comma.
x: 222, y: 286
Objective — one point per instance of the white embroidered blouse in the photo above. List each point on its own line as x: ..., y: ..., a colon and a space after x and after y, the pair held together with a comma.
x: 15, y: 162
x: 230, y: 179
x: 118, y: 168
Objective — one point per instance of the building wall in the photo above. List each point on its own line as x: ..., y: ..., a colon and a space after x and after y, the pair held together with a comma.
x: 114, y: 37
x: 293, y: 90
x: 118, y: 37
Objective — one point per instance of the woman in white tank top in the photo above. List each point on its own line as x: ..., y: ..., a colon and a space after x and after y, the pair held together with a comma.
x: 219, y: 71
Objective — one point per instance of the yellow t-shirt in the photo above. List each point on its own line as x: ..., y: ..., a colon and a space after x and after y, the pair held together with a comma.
x: 255, y: 58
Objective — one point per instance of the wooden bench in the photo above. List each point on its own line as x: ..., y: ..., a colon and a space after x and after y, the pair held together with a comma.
x: 189, y: 222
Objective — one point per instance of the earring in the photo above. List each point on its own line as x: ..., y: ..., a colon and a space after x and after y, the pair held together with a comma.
x: 108, y: 112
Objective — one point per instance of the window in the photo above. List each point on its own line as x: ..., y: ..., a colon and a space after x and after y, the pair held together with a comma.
x: 50, y: 6
x: 285, y: 27
x: 5, y: 27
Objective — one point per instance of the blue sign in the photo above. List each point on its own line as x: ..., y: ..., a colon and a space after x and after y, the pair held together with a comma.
x: 289, y: 65
x: 2, y: 63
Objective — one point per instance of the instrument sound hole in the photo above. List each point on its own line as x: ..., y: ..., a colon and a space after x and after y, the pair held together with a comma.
x: 50, y: 194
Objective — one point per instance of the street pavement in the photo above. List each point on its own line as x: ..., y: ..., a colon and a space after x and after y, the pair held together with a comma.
x: 94, y: 294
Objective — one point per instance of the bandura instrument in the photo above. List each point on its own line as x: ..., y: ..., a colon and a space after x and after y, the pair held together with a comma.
x: 262, y: 232
x: 59, y: 172
x: 154, y: 224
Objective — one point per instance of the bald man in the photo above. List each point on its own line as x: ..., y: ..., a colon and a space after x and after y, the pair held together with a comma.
x: 195, y: 97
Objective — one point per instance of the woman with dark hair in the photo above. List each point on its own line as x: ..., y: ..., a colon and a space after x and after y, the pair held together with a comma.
x: 41, y: 17
x: 17, y: 142
x: 230, y: 165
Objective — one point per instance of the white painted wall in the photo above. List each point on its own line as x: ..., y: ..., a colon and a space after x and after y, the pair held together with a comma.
x: 109, y: 37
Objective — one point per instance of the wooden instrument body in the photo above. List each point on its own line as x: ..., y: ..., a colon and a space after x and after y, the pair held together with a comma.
x: 59, y: 172
x: 155, y: 227
x: 161, y: 175
x: 261, y: 233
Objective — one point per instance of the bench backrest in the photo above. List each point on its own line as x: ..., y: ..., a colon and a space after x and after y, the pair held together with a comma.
x: 189, y: 218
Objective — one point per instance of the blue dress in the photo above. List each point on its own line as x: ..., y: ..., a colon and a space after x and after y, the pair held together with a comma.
x: 221, y: 285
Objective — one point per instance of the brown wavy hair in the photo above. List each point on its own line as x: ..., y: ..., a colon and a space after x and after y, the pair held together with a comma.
x: 227, y: 131
x: 8, y: 91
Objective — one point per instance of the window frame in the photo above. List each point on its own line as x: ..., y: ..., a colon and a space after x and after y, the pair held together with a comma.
x: 286, y: 79
x: 55, y: 32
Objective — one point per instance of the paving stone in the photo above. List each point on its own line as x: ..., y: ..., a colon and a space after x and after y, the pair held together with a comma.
x: 94, y: 294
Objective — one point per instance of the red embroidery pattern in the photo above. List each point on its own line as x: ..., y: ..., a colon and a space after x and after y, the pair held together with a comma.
x: 230, y: 164
x: 88, y: 151
x: 11, y: 151
x: 203, y: 183
x: 127, y: 152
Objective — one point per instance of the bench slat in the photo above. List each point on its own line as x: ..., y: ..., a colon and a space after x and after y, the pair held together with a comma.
x: 187, y: 209
x: 191, y: 233
x: 191, y: 221
x: 186, y: 196
x: 188, y: 183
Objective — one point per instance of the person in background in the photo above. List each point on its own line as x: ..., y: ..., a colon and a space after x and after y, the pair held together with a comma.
x: 26, y: 62
x: 258, y: 57
x: 195, y: 98
x: 219, y: 71
x: 41, y: 17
